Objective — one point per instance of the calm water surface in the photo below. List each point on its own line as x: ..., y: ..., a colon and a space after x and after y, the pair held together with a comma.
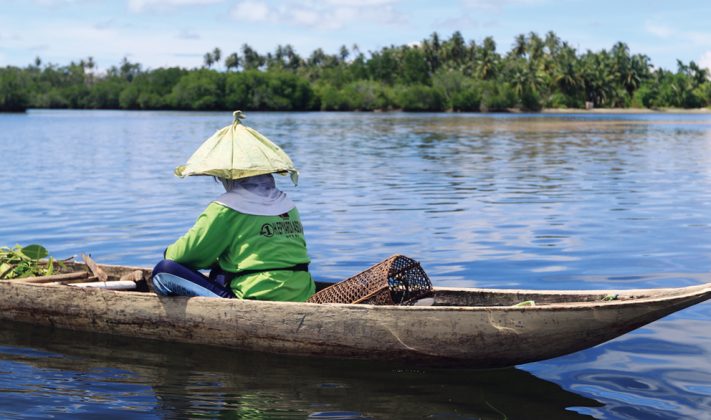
x: 530, y: 201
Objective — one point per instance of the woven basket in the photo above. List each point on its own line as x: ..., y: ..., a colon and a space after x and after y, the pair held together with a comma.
x: 399, y: 280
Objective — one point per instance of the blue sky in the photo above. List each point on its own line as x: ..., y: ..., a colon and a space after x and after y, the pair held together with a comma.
x: 178, y: 32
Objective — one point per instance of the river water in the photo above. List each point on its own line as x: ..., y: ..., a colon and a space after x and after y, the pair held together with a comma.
x: 510, y: 201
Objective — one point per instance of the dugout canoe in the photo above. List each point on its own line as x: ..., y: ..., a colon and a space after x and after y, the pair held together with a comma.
x: 464, y: 327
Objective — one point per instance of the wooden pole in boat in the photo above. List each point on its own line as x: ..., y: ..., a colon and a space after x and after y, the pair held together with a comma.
x: 54, y: 278
x: 98, y: 272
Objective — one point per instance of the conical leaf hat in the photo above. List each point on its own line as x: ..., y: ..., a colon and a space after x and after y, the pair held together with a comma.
x: 237, y: 151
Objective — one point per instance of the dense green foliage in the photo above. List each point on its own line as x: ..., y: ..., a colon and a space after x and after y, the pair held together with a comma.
x: 14, y: 89
x: 435, y: 75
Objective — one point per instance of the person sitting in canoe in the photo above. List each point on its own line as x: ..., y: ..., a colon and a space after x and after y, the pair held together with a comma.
x: 251, y: 237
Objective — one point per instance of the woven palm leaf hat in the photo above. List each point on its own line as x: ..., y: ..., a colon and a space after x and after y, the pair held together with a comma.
x: 236, y: 152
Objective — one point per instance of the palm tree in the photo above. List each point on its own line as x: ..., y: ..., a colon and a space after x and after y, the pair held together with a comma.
x: 90, y: 64
x: 208, y: 59
x: 454, y: 50
x: 488, y: 59
x: 232, y: 61
x: 635, y: 72
x: 519, y: 79
x: 293, y: 60
x: 519, y: 46
x: 552, y: 43
x: 470, y: 60
x: 599, y: 78
x: 698, y: 74
x: 565, y: 73
x: 317, y: 58
x: 343, y: 53
x: 129, y: 70
x: 432, y: 49
x: 552, y: 48
x: 251, y: 60
x: 534, y: 48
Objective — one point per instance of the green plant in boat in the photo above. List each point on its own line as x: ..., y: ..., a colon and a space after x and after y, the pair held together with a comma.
x: 21, y: 262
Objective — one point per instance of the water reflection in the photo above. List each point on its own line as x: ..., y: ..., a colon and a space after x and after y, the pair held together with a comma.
x: 660, y: 371
x: 52, y: 372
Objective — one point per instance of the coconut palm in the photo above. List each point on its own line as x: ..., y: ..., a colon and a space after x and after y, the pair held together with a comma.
x: 552, y: 43
x: 251, y: 59
x: 566, y: 77
x: 534, y: 47
x: 432, y: 49
x: 519, y: 46
x: 232, y: 61
x: 454, y: 51
x: 208, y: 59
x: 488, y: 59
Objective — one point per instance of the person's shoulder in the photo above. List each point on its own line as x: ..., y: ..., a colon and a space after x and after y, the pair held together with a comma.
x: 218, y: 209
x: 294, y: 212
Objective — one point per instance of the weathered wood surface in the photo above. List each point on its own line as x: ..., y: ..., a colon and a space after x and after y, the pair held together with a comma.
x: 72, y: 281
x: 95, y: 269
x: 477, y: 336
x: 54, y: 277
x: 135, y: 275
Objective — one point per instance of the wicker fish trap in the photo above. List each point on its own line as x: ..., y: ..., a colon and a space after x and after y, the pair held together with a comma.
x: 399, y: 280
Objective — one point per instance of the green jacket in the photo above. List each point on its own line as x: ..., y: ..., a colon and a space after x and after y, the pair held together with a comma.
x: 236, y: 242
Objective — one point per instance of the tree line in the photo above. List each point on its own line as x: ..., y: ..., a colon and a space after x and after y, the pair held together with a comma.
x: 435, y: 75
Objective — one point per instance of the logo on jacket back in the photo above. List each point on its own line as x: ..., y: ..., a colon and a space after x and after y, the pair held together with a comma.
x: 267, y: 230
x: 288, y: 228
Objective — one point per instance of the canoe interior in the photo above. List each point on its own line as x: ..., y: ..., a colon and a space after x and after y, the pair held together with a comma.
x: 443, y: 296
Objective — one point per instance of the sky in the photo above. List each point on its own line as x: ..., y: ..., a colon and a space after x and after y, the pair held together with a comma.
x: 159, y: 33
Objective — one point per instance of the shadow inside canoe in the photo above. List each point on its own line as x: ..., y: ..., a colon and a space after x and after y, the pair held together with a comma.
x: 192, y: 380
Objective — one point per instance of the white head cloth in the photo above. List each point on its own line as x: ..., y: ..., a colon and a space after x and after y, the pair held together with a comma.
x: 256, y: 195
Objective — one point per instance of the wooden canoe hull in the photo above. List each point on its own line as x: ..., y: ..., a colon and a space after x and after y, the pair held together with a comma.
x: 474, y: 336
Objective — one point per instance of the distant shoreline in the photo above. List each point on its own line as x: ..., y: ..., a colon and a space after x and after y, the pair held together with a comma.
x: 625, y: 111
x: 434, y: 75
x: 551, y: 111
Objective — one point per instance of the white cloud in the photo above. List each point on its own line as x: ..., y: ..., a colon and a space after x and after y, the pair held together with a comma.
x: 666, y: 32
x: 700, y: 38
x: 139, y: 6
x: 498, y: 5
x: 13, y: 39
x: 251, y: 10
x: 52, y: 3
x: 187, y: 34
x: 328, y: 14
x: 359, y: 3
x: 657, y: 29
x: 458, y: 22
x: 306, y: 17
x: 105, y: 24
x: 705, y: 60
x: 107, y: 46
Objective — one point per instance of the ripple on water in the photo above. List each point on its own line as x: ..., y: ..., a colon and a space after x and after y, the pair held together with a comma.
x: 536, y: 202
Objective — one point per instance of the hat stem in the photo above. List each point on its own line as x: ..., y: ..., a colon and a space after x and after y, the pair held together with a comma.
x: 239, y: 115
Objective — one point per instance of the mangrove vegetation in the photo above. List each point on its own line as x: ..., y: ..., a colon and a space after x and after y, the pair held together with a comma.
x: 435, y: 75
